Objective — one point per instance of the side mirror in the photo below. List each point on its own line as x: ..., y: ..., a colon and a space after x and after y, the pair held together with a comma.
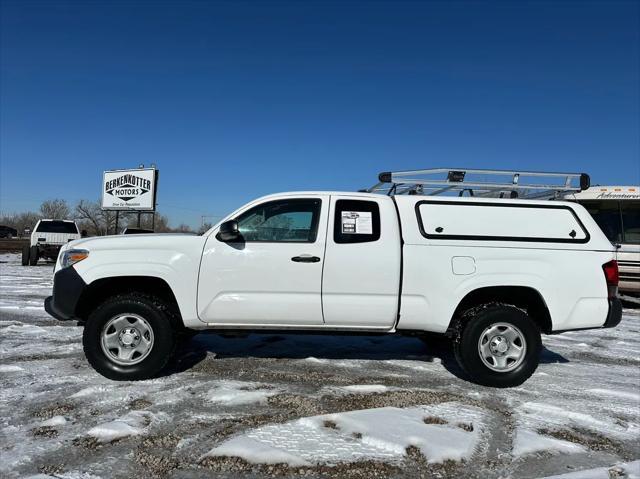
x: 84, y: 234
x: 228, y: 231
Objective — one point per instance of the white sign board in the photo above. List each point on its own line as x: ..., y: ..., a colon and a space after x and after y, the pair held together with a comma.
x: 129, y: 189
x: 357, y: 222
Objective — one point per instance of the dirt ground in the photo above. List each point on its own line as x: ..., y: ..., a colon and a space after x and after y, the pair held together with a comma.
x: 580, y: 410
x: 13, y: 245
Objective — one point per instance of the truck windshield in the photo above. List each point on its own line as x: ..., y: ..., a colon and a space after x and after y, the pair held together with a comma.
x: 619, y: 220
x: 66, y: 227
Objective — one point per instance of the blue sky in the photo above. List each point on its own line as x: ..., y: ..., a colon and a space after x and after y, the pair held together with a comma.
x: 233, y: 100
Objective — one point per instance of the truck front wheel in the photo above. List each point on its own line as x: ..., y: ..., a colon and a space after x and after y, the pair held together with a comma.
x: 498, y: 345
x: 25, y: 255
x: 130, y: 337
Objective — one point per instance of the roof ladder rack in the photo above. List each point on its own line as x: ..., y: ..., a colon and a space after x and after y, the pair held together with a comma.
x: 481, y: 183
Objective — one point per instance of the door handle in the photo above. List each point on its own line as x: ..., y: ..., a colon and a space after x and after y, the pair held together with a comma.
x: 305, y: 258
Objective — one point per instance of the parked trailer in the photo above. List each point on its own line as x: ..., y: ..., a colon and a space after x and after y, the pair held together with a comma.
x: 616, y: 209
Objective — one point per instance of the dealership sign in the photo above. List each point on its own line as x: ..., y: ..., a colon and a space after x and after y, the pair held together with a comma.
x: 129, y: 189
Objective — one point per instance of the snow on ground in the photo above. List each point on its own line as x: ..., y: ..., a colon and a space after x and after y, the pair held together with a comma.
x: 627, y: 471
x: 133, y: 423
x: 239, y: 393
x: 54, y: 421
x: 526, y: 442
x: 361, y: 388
x: 319, y: 406
x: 382, y: 434
x: 23, y: 292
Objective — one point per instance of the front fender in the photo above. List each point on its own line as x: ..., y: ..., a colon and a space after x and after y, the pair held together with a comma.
x: 177, y: 269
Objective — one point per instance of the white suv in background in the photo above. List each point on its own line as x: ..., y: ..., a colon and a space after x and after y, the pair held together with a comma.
x: 47, y: 238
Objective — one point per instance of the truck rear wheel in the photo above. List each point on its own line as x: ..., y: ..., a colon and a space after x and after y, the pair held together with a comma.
x: 33, y: 255
x: 130, y: 337
x: 25, y: 255
x: 498, y: 345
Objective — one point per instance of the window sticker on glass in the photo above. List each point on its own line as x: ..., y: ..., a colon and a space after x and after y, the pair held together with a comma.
x: 357, y: 222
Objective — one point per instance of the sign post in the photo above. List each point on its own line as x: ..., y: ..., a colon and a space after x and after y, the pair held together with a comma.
x: 132, y: 190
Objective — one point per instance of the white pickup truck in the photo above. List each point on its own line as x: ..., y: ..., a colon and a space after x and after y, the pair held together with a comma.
x: 47, y: 238
x: 491, y: 274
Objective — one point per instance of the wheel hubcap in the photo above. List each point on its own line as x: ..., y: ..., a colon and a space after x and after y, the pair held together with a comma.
x: 127, y: 339
x: 502, y: 347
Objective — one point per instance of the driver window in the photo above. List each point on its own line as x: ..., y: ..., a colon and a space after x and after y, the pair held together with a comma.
x: 286, y: 221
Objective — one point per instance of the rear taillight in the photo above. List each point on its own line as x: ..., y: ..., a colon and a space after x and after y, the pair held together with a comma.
x: 612, y: 276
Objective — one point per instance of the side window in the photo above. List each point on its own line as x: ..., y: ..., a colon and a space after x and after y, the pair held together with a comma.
x: 356, y: 221
x: 285, y: 221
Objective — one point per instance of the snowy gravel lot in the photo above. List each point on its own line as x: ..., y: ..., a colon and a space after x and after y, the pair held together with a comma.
x: 312, y: 406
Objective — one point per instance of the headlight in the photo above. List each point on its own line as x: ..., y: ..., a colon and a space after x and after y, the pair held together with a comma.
x: 72, y: 256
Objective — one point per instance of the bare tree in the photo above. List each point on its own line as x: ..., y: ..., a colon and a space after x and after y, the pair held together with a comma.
x: 56, y: 209
x: 204, y: 228
x: 92, y: 218
x: 21, y: 221
x: 183, y: 228
x: 129, y: 219
x: 146, y: 221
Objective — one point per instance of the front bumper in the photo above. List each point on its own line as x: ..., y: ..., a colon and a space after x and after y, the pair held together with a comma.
x: 50, y: 308
x: 68, y: 287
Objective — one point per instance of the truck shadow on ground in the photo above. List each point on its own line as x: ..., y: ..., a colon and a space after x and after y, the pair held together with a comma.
x: 326, y: 347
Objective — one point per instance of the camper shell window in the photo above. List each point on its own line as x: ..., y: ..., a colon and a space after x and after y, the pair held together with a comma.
x: 454, y: 220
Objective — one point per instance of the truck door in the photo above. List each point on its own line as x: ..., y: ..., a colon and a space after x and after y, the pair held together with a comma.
x: 273, y: 276
x: 361, y: 279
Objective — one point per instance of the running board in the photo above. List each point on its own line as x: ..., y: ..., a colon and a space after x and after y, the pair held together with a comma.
x: 214, y: 327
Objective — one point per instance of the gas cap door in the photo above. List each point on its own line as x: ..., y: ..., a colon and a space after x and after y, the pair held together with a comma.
x: 463, y: 265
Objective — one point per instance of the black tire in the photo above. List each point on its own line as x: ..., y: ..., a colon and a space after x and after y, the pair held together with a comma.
x: 33, y: 255
x: 466, y: 346
x: 155, y: 312
x: 25, y: 255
